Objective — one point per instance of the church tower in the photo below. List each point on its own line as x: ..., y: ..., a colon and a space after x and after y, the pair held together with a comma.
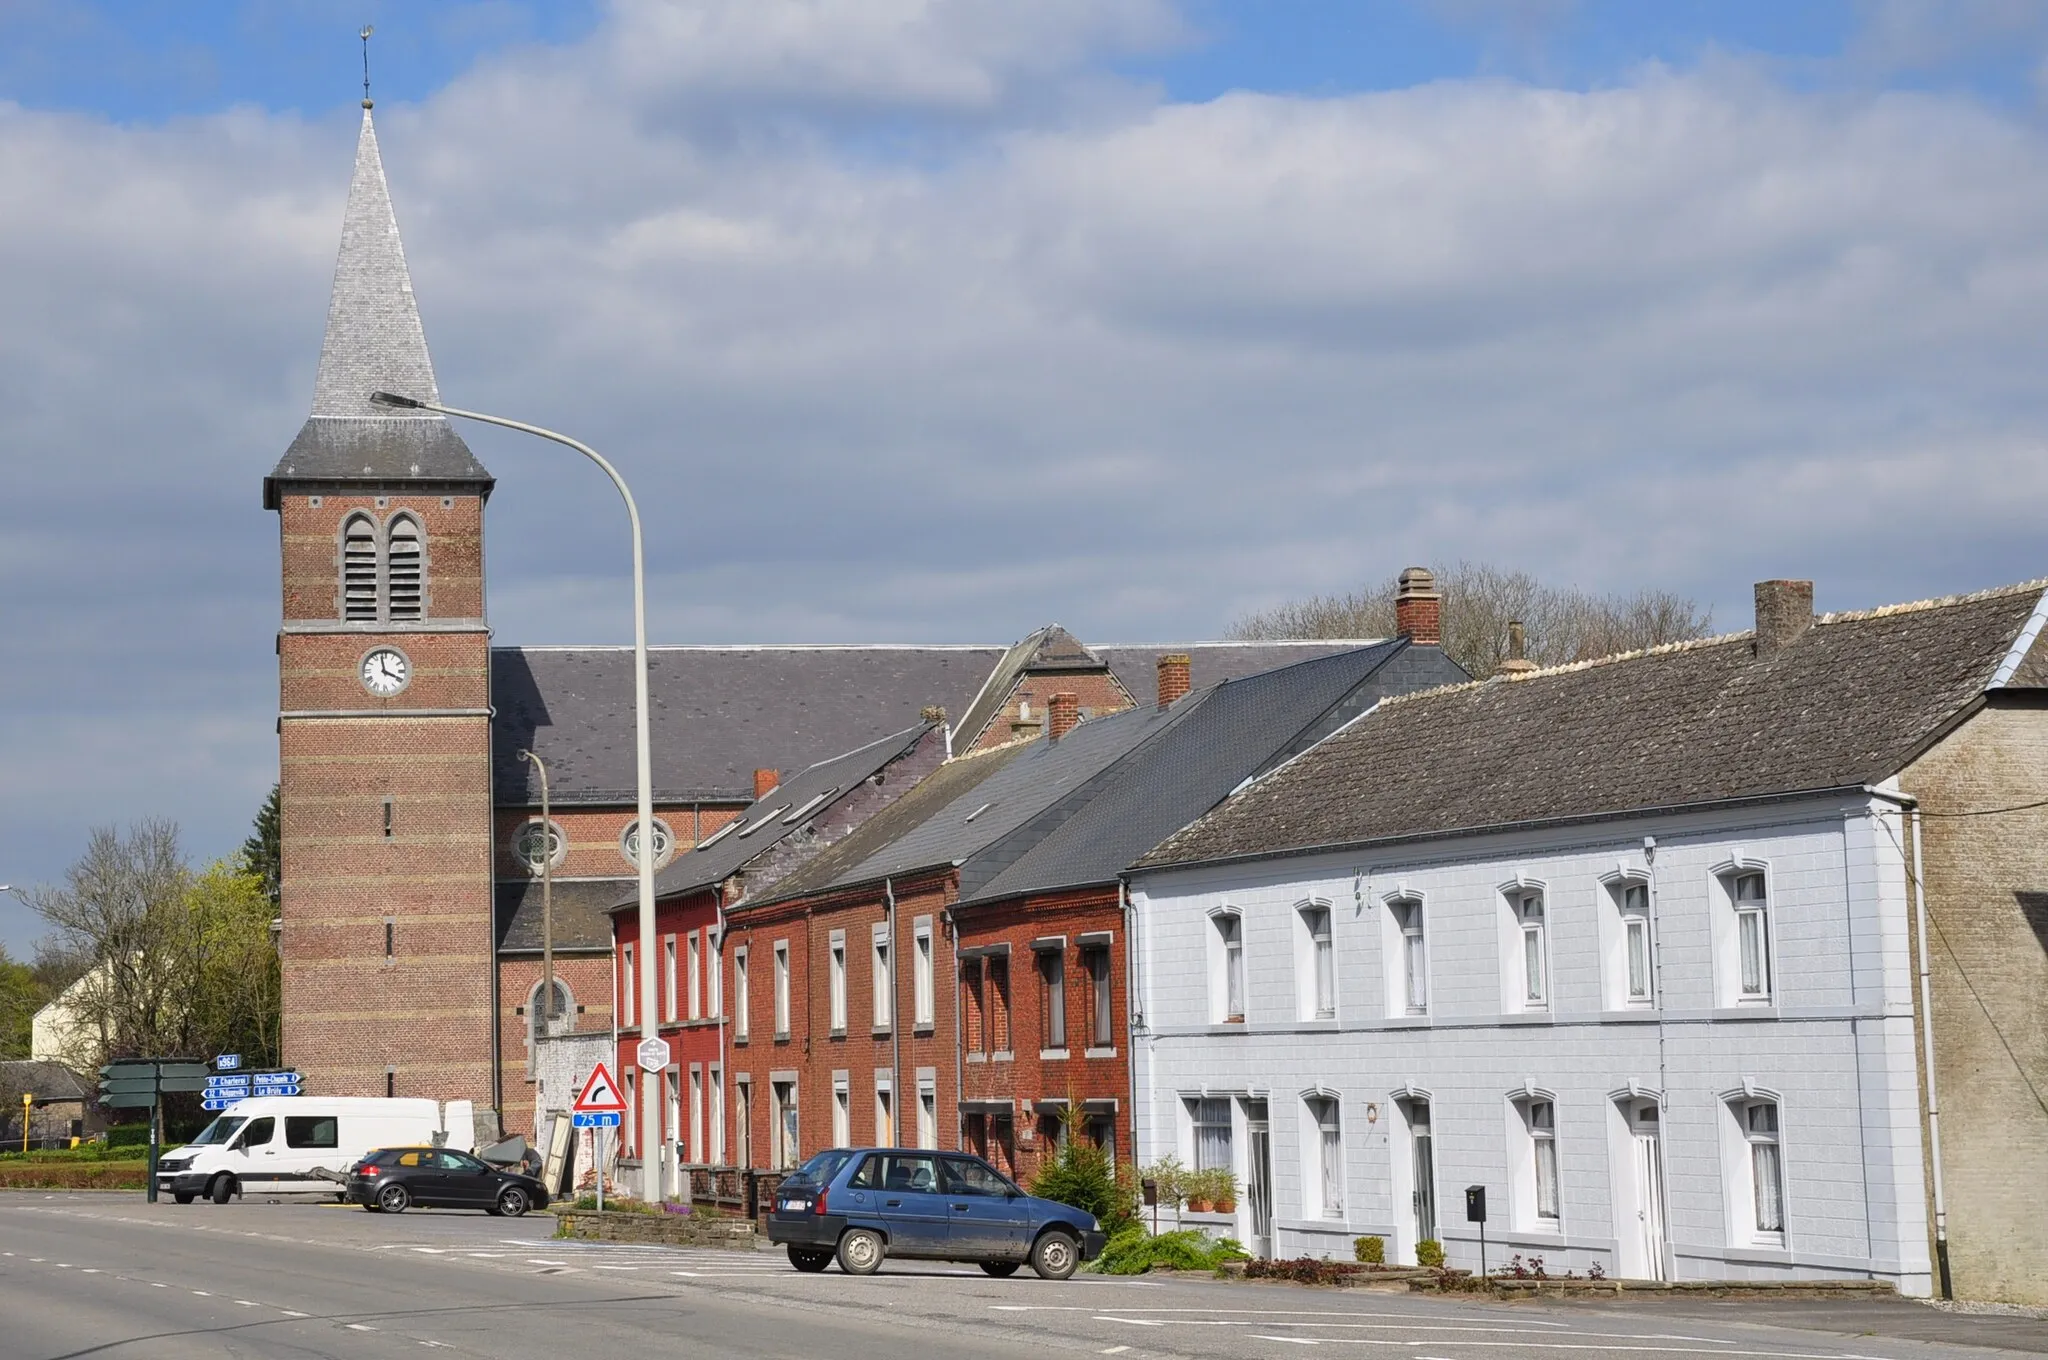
x: 384, y: 702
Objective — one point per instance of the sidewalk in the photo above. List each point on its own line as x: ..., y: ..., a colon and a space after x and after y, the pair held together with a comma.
x: 1892, y: 1318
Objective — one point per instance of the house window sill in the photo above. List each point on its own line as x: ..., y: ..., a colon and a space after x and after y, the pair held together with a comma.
x: 924, y: 1029
x: 977, y: 1057
x: 1101, y: 1053
x: 838, y: 1033
x: 1542, y: 1017
x: 1002, y: 1055
x: 882, y: 1031
x: 782, y: 1037
x: 1053, y: 1055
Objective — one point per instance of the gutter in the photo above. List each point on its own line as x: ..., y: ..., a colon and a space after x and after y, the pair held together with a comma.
x: 1133, y: 1007
x: 1527, y: 824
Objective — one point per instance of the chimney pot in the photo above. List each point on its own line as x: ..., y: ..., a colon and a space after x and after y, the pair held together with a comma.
x: 765, y: 783
x: 1516, y: 664
x: 1784, y: 611
x: 1419, y: 608
x: 1175, y: 677
x: 1062, y: 714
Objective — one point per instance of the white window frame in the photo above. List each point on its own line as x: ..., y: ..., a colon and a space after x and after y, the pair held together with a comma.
x: 782, y: 989
x: 1202, y: 1112
x: 927, y: 1112
x: 740, y: 995
x: 1315, y: 961
x: 1734, y: 916
x: 836, y: 983
x: 695, y: 959
x: 1753, y: 1155
x: 1629, y: 942
x: 1528, y: 983
x: 1226, y: 966
x: 631, y: 1142
x: 1102, y: 1016
x: 1754, y: 978
x: 842, y: 1111
x: 696, y: 1153
x: 714, y: 975
x: 1050, y: 963
x: 784, y: 1150
x: 1535, y: 1187
x: 885, y: 1109
x: 1322, y: 1155
x: 626, y: 987
x: 714, y: 1084
x: 923, y: 985
x: 881, y: 958
x: 668, y: 978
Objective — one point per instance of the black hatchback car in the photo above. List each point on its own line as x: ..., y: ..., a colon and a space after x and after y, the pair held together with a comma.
x: 392, y: 1180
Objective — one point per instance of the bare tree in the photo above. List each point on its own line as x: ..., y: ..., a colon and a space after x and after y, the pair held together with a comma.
x: 173, y: 963
x: 1564, y: 624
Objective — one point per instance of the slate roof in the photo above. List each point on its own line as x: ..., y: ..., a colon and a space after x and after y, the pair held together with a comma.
x: 1847, y: 704
x: 374, y: 342
x: 1036, y: 815
x: 46, y: 1081
x: 581, y: 913
x: 1135, y: 665
x: 719, y: 713
x: 815, y: 793
x: 1219, y: 737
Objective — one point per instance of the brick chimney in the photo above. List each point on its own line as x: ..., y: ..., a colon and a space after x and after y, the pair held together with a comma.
x: 765, y: 783
x: 1175, y: 671
x: 1062, y: 713
x: 1516, y: 663
x: 1418, y: 608
x: 1784, y: 611
x: 1022, y: 724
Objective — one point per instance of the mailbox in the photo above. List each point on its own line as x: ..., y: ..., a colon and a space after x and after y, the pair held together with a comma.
x: 1150, y: 1188
x: 1475, y: 1204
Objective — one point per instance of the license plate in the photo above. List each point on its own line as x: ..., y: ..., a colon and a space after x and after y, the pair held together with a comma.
x: 792, y: 1206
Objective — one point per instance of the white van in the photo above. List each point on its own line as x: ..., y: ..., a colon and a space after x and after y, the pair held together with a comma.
x: 269, y: 1145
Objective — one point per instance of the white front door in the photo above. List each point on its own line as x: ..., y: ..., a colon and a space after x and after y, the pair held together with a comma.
x: 1649, y: 1179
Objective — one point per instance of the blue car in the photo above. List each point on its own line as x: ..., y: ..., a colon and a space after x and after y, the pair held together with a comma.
x: 861, y: 1205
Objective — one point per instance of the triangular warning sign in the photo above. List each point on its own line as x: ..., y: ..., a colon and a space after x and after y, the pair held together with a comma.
x: 600, y: 1094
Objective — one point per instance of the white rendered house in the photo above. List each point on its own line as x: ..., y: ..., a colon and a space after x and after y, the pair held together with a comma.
x: 1631, y: 944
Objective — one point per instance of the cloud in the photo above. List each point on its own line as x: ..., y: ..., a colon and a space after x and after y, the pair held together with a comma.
x: 911, y: 322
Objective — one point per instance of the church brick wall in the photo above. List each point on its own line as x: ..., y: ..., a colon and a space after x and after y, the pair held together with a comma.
x: 311, y: 547
x: 589, y: 979
x: 593, y: 834
x: 319, y: 672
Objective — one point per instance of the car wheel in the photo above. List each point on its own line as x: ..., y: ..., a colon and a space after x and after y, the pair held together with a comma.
x: 184, y: 1196
x: 810, y: 1260
x: 512, y: 1202
x: 1055, y: 1255
x: 394, y: 1199
x: 861, y: 1252
x: 1002, y: 1270
x: 223, y: 1189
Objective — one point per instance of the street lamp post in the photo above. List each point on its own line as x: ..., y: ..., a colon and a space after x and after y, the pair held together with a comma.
x: 650, y: 1105
x: 547, y: 901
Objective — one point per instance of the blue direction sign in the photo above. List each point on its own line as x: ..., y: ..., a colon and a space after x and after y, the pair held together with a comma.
x: 213, y: 1102
x: 227, y: 1062
x: 223, y: 1083
x: 596, y: 1119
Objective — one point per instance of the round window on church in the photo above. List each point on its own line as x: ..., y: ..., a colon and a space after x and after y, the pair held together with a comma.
x: 539, y: 843
x: 664, y: 843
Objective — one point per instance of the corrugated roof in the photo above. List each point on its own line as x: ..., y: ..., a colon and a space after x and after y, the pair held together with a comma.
x: 1847, y: 704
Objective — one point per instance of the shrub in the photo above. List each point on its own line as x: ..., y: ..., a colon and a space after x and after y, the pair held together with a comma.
x: 1371, y: 1251
x: 1301, y: 1270
x: 128, y: 1135
x: 1084, y: 1176
x: 1429, y: 1252
x: 1171, y: 1179
x: 1133, y: 1252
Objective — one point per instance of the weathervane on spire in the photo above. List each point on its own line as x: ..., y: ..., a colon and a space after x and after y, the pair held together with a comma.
x: 365, y: 36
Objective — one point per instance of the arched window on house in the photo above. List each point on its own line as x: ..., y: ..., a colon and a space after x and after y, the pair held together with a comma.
x: 359, y: 569
x: 405, y: 569
x: 538, y: 1018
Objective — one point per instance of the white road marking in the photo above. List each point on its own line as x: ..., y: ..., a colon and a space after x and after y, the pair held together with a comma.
x: 1113, y: 1350
x: 289, y: 1313
x: 1297, y: 1340
x: 154, y: 1285
x: 248, y: 1303
x: 358, y: 1327
x: 1568, y: 1346
x: 202, y: 1293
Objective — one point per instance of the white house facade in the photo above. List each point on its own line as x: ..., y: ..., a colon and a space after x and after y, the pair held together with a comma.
x: 1669, y: 954
x: 1670, y: 1047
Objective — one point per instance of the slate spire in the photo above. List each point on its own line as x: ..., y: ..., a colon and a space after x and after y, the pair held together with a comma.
x: 374, y: 342
x: 374, y: 338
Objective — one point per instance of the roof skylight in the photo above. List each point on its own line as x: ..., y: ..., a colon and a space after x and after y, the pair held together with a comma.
x: 809, y: 806
x: 751, y: 827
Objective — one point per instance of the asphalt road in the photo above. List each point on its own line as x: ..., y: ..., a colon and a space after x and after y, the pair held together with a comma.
x: 104, y: 1276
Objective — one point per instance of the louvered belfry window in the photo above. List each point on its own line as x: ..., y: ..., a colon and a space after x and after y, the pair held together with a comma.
x: 359, y: 569
x: 383, y: 574
x: 404, y: 574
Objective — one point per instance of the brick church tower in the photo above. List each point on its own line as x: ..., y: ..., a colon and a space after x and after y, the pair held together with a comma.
x: 384, y: 703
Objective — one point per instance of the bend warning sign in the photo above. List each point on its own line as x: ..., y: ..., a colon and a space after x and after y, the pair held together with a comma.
x: 600, y: 1093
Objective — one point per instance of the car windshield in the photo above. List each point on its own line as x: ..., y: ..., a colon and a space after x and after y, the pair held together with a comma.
x: 219, y: 1131
x: 822, y: 1167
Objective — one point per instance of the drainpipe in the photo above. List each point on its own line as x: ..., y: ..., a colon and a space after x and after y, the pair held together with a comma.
x: 1919, y: 887
x: 718, y: 914
x: 959, y: 1029
x: 1670, y: 1262
x: 1135, y: 1015
x: 895, y: 1026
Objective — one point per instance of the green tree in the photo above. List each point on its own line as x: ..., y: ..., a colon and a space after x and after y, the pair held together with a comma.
x: 21, y: 996
x: 262, y: 852
x: 1564, y: 623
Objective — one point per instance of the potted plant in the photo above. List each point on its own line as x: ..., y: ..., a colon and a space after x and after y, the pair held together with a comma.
x: 1169, y: 1180
x: 1200, y: 1188
x: 1223, y: 1190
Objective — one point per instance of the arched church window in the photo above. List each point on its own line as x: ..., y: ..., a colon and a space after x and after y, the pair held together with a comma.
x: 405, y: 568
x: 664, y: 843
x: 359, y: 568
x: 538, y: 843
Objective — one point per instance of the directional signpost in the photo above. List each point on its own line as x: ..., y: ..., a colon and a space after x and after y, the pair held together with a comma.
x: 140, y: 1084
x: 599, y: 1107
x: 224, y: 1089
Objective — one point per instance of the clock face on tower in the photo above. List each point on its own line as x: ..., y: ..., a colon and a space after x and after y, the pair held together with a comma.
x: 385, y: 671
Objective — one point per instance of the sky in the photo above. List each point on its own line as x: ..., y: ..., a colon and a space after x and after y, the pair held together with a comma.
x: 936, y: 320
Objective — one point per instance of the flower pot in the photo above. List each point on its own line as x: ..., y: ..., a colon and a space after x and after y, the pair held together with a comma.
x: 1197, y: 1205
x: 1226, y: 1206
